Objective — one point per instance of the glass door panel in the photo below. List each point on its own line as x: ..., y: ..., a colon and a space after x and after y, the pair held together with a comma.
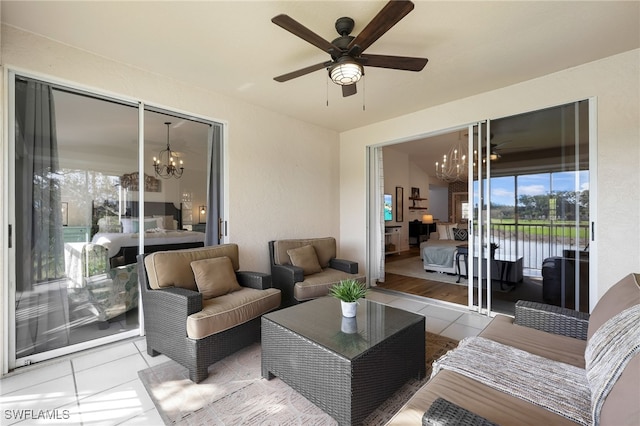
x: 481, y: 250
x: 176, y: 172
x: 530, y: 193
x: 70, y: 151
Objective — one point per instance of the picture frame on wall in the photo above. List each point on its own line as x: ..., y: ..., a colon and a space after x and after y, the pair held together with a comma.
x: 399, y: 204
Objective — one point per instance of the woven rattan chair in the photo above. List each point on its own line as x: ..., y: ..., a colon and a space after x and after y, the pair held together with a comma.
x: 296, y: 282
x: 167, y: 312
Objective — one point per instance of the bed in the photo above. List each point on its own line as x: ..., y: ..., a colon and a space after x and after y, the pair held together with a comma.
x: 438, y: 252
x: 162, y: 227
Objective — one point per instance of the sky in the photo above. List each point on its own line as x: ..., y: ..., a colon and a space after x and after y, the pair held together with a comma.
x: 503, y: 190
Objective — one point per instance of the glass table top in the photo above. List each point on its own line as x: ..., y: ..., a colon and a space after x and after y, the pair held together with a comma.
x: 321, y: 321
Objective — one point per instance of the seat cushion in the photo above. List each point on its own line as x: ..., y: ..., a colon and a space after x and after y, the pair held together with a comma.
x: 480, y: 399
x: 173, y: 268
x: 552, y: 346
x: 305, y: 257
x: 224, y: 312
x: 215, y: 277
x: 318, y: 285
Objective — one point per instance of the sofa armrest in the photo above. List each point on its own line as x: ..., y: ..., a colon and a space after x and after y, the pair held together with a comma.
x: 257, y: 280
x: 552, y: 319
x: 443, y: 412
x: 344, y: 265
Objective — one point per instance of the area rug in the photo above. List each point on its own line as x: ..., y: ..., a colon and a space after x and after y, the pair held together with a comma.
x: 413, y: 267
x: 236, y: 394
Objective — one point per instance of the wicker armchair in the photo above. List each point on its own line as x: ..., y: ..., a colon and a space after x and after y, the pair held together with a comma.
x: 294, y: 279
x: 197, y: 332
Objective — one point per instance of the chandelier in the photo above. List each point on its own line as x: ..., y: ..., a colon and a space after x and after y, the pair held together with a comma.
x: 345, y: 71
x: 165, y: 164
x: 453, y: 167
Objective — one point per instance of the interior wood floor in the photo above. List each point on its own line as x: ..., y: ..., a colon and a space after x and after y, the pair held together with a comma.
x: 503, y: 302
x: 426, y: 288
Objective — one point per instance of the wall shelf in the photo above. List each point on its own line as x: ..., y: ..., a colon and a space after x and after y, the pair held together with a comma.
x: 416, y: 202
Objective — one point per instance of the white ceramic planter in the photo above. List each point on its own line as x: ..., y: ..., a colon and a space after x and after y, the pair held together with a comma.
x: 349, y: 309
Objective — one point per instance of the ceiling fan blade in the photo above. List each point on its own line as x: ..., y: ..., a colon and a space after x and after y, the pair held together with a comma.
x: 296, y: 28
x: 390, y: 15
x: 299, y: 73
x: 349, y: 90
x: 394, y: 62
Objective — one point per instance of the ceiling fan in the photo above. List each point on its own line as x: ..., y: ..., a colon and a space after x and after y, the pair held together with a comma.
x: 347, y: 62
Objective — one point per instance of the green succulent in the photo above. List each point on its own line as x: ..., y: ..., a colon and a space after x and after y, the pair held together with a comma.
x: 348, y: 290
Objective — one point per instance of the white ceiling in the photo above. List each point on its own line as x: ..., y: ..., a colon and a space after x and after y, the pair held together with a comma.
x: 232, y: 47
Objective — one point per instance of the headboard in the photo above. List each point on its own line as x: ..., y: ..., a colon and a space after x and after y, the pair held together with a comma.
x: 152, y: 208
x: 109, y: 208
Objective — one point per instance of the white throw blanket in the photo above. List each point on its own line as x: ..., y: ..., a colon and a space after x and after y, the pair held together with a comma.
x: 555, y: 386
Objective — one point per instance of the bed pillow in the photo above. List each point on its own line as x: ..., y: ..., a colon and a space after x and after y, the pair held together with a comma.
x: 460, y: 234
x: 166, y: 222
x: 132, y: 225
x: 109, y: 224
x: 127, y: 225
x: 445, y: 230
x: 215, y: 277
x: 306, y: 258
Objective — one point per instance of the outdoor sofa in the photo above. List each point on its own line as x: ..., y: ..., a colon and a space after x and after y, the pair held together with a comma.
x: 548, y: 365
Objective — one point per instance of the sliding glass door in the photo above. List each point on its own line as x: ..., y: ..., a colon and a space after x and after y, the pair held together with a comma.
x: 85, y: 205
x: 480, y: 250
x: 67, y: 161
x: 530, y: 226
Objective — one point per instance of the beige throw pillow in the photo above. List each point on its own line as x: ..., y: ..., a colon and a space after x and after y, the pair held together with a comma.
x: 306, y: 258
x: 215, y: 277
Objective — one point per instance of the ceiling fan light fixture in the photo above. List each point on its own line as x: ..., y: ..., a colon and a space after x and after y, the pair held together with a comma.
x: 345, y: 72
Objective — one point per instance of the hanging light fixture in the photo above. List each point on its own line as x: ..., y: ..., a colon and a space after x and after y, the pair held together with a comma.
x: 345, y: 71
x: 453, y: 167
x: 165, y: 164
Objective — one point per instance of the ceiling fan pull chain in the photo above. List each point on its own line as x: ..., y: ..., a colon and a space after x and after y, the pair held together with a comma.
x: 327, y: 81
x: 364, y: 91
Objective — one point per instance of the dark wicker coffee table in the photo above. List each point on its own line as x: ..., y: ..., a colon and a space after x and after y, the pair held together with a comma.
x: 346, y: 374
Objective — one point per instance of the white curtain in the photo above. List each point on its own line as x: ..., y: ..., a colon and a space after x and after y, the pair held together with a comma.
x: 376, y: 220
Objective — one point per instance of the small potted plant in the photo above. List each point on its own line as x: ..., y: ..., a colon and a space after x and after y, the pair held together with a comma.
x: 348, y: 292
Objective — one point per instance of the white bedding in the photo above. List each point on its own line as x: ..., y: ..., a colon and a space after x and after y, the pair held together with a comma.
x: 114, y: 241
